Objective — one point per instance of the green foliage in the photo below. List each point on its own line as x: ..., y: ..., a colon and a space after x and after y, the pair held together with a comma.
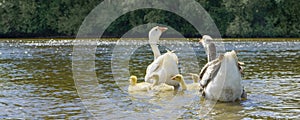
x: 234, y: 18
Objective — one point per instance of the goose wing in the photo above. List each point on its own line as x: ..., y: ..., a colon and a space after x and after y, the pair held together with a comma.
x: 153, y: 67
x: 203, y: 70
x: 209, y: 71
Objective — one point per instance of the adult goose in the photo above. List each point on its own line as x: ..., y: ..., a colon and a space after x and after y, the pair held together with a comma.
x: 221, y: 78
x: 166, y: 65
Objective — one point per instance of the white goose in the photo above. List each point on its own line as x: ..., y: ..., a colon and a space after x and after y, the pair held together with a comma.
x: 166, y: 65
x: 221, y: 77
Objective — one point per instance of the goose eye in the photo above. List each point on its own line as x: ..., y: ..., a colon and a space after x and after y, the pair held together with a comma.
x: 155, y: 29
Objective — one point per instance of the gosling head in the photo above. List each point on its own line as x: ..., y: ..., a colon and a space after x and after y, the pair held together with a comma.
x: 195, y: 77
x: 155, y: 33
x: 177, y: 77
x: 155, y: 78
x: 133, y: 80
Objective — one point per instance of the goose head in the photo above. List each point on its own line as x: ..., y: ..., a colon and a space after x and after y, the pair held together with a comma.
x: 155, y: 33
x: 206, y: 39
x: 133, y: 80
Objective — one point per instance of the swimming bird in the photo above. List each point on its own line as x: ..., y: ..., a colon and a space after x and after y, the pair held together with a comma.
x: 195, y: 77
x: 164, y: 65
x: 136, y: 87
x: 183, y: 85
x: 160, y: 87
x: 221, y: 77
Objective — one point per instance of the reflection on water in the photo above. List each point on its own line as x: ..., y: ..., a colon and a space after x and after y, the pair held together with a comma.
x: 36, y: 82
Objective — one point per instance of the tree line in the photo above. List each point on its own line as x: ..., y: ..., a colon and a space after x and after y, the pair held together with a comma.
x: 234, y: 18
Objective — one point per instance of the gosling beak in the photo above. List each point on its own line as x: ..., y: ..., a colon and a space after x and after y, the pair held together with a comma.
x: 162, y: 29
x: 173, y: 78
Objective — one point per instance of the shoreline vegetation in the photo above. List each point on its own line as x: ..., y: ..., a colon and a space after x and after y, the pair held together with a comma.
x: 234, y: 19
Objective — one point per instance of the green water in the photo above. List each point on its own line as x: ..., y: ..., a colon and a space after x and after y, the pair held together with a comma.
x: 37, y: 82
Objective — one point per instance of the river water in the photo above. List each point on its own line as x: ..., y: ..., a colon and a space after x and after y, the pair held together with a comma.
x: 37, y: 81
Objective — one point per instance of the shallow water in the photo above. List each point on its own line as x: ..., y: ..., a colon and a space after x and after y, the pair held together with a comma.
x: 37, y: 81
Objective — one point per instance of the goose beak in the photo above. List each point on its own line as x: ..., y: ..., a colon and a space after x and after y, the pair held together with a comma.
x: 200, y: 40
x: 241, y: 63
x: 162, y: 29
x: 233, y: 52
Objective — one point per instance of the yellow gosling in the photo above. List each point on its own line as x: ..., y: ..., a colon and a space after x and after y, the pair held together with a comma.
x: 183, y: 85
x: 195, y: 77
x: 134, y: 86
x: 160, y: 87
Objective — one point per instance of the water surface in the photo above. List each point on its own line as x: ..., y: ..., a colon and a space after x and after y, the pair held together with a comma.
x: 37, y: 81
